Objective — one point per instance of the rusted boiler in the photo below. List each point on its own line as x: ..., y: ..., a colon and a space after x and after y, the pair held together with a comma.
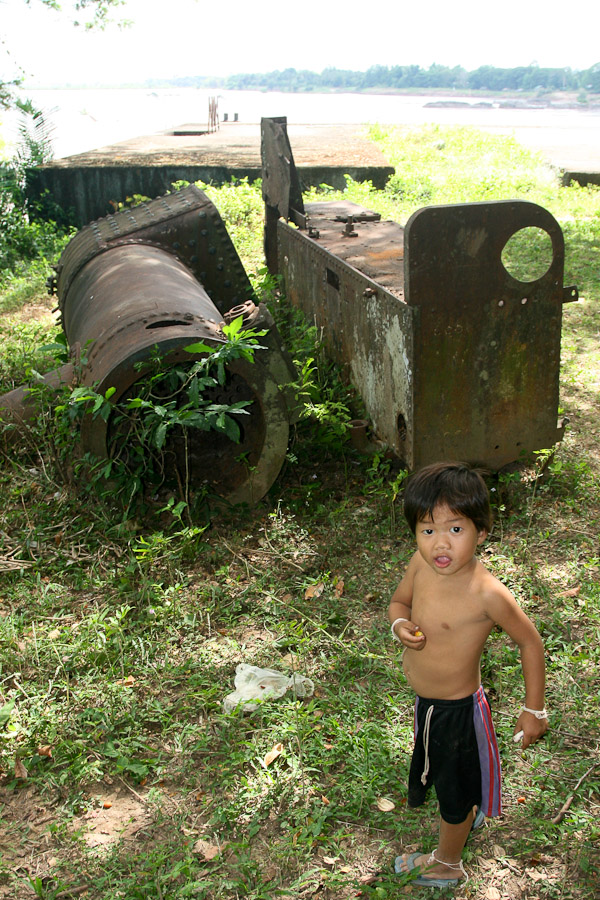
x: 454, y: 357
x: 151, y: 281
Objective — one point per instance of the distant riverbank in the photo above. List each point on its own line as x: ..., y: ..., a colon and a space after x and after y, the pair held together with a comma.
x: 89, y: 118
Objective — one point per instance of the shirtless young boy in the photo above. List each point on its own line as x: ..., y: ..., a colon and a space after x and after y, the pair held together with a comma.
x: 442, y: 612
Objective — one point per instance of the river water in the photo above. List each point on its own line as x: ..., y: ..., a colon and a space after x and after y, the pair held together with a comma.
x: 86, y: 119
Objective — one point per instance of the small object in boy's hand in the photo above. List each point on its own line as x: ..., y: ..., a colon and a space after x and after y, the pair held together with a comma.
x: 518, y: 737
x: 418, y: 633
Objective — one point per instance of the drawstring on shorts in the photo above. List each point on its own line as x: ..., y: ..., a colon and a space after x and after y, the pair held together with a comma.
x: 426, y: 729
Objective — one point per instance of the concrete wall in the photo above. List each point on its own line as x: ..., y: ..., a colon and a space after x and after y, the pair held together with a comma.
x: 86, y: 193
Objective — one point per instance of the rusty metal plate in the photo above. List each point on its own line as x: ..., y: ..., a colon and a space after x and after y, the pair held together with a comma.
x: 487, y: 347
x: 359, y: 237
x: 280, y: 183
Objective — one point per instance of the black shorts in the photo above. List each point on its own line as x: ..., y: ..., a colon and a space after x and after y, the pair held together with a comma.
x: 462, y: 755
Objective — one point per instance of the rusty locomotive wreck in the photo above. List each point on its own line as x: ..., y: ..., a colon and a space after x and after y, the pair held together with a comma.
x: 453, y: 356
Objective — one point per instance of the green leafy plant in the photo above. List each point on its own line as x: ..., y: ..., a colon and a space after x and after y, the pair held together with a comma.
x: 27, y: 231
x: 151, y: 421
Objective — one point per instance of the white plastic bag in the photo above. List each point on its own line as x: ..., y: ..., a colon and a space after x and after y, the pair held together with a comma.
x: 254, y: 685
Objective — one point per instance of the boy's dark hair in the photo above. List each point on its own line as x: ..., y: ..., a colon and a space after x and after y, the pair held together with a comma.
x: 456, y: 485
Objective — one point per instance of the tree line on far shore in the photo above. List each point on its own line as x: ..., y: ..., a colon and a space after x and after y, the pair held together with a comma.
x: 530, y: 78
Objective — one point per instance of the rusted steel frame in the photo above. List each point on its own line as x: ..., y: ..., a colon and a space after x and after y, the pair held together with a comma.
x: 468, y: 367
x: 365, y: 328
x: 280, y: 184
x: 213, y: 113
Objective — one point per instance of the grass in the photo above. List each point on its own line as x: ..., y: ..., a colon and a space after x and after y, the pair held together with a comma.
x: 119, y: 640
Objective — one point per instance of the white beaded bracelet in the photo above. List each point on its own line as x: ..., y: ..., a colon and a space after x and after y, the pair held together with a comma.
x: 538, y: 713
x: 394, y: 623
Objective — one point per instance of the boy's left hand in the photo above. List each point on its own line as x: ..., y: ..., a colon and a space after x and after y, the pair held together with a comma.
x: 533, y: 729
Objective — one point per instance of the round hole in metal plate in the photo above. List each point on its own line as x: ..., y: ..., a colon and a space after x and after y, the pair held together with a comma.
x: 528, y: 254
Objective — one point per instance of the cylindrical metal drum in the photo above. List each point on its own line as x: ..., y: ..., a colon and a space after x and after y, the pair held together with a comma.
x: 138, y: 288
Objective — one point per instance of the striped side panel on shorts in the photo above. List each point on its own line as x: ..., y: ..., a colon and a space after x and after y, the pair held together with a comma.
x: 489, y: 757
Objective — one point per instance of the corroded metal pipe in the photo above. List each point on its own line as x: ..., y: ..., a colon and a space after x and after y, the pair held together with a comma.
x: 21, y: 407
x: 147, y: 283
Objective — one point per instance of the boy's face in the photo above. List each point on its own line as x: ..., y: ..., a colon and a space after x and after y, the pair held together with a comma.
x: 447, y: 541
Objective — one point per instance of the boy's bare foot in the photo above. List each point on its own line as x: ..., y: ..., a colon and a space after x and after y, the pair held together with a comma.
x: 432, y: 871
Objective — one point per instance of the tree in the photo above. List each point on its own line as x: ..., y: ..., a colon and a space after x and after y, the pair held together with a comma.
x: 83, y: 13
x: 86, y: 13
x: 590, y: 79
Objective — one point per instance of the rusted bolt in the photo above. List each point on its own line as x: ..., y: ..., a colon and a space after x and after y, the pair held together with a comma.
x: 349, y: 229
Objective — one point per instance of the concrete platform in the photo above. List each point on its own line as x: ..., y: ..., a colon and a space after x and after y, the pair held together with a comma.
x: 92, y: 184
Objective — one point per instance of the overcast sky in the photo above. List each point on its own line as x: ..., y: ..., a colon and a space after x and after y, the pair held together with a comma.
x: 186, y: 37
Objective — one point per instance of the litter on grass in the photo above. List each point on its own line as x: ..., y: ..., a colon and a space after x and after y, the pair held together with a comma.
x: 253, y: 686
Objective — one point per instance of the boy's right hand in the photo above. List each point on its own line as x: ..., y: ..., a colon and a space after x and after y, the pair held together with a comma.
x: 411, y: 635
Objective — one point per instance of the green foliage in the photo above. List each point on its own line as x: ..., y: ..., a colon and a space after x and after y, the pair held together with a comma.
x: 461, y: 165
x: 22, y: 347
x: 25, y: 231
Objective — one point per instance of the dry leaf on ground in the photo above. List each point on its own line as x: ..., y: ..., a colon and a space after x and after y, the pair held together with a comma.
x: 20, y: 770
x: 571, y: 592
x: 385, y: 805
x: 273, y: 754
x: 493, y: 893
x: 205, y: 850
x: 313, y: 591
